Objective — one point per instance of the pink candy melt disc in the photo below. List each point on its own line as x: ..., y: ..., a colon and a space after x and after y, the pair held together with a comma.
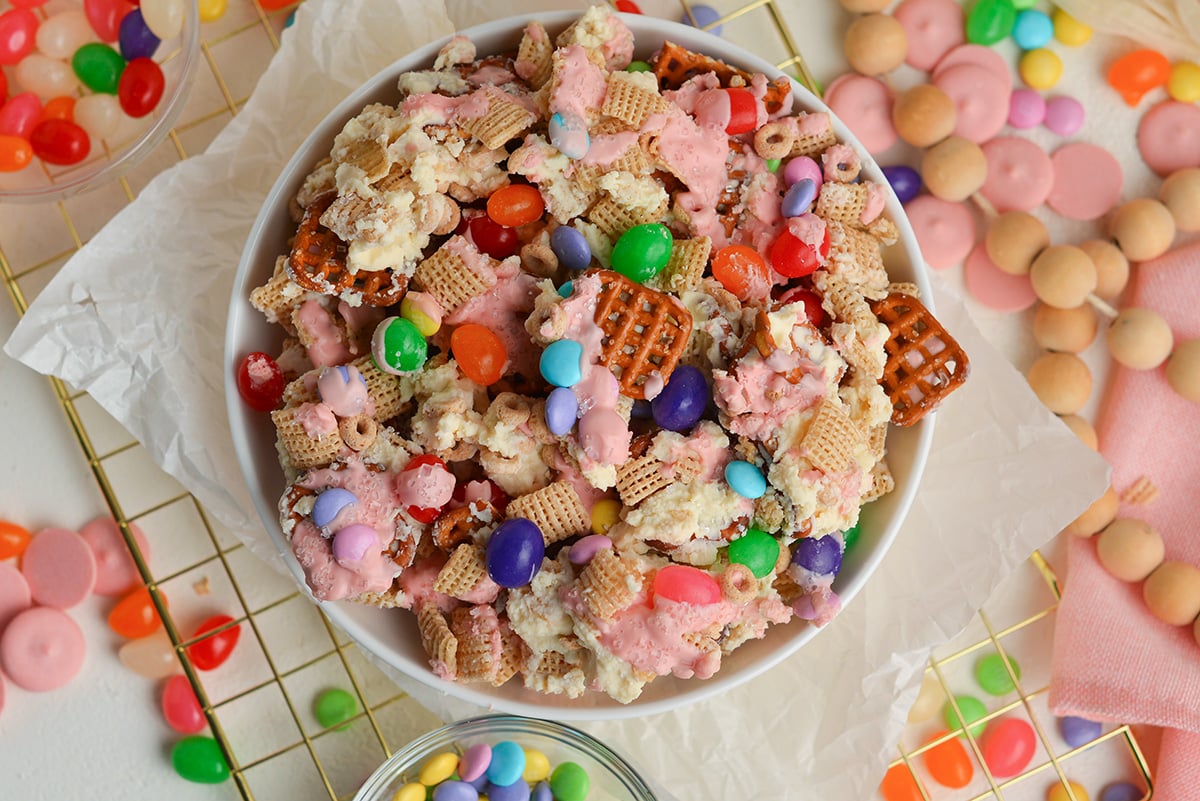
x: 14, y: 593
x: 995, y: 288
x: 1087, y: 181
x: 116, y: 571
x: 980, y: 97
x: 1019, y: 176
x: 1169, y: 137
x: 865, y: 105
x: 933, y: 27
x: 60, y: 568
x: 42, y: 649
x: 978, y: 55
x: 945, y: 231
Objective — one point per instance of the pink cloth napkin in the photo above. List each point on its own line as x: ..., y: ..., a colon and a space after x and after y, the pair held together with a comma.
x: 1113, y: 660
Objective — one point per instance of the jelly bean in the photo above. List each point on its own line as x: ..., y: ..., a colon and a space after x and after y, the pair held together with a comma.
x: 562, y: 409
x: 60, y: 142
x: 850, y: 536
x: 686, y: 584
x: 642, y: 251
x: 199, y: 759
x: 136, y: 40
x: 570, y: 782
x: 1041, y: 68
x: 703, y: 17
x: 1122, y: 791
x: 334, y: 708
x: 134, y: 616
x: 60, y: 108
x: 899, y: 784
x: 571, y: 247
x: 18, y: 35
x: 993, y: 677
x: 1069, y: 30
x: 412, y: 791
x: 1184, y: 82
x: 792, y: 257
x: 1058, y: 792
x: 141, y: 87
x: 948, y: 763
x: 20, y: 115
x: 1064, y: 115
x: 569, y: 134
x: 423, y: 311
x: 537, y: 766
x: 352, y: 543
x: 799, y: 198
x: 99, y: 67
x: 638, y: 66
x: 212, y: 10
x: 152, y: 657
x: 494, y: 239
x: 1026, y: 109
x: 973, y: 710
x: 260, y: 382
x: 15, y: 153
x: 682, y: 401
x: 180, y: 709
x: 14, y: 540
x: 812, y: 304
x: 514, y: 556
x: 27, y: 3
x: 480, y: 353
x: 508, y: 761
x: 474, y: 762
x: 1032, y: 29
x: 745, y: 479
x: 397, y: 346
x: 105, y: 17
x: 743, y: 111
x: 99, y: 115
x: 586, y: 548
x: 820, y: 555
x: 438, y: 768
x: 627, y: 6
x: 904, y: 180
x: 1078, y: 731
x: 1134, y: 74
x: 1008, y: 746
x: 757, y: 550
x: 517, y: 791
x: 329, y: 503
x: 605, y: 514
x: 990, y: 21
x: 165, y: 17
x: 61, y: 35
x: 560, y: 363
x: 274, y: 5
x: 420, y: 514
x: 3, y: 87
x: 212, y: 651
x: 455, y: 791
x: 803, y: 167
x: 516, y: 205
x: 742, y: 271
x: 773, y: 165
x: 45, y: 76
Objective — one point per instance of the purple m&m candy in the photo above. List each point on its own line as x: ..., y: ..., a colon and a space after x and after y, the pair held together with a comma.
x: 703, y: 17
x: 905, y: 181
x: 571, y: 248
x: 514, y: 556
x: 329, y: 503
x: 819, y: 555
x: 683, y: 400
x: 799, y: 198
x: 455, y: 791
x: 587, y: 547
x: 1078, y: 731
x: 135, y: 37
x: 1122, y: 791
x: 541, y: 792
x: 562, y: 407
x: 517, y: 791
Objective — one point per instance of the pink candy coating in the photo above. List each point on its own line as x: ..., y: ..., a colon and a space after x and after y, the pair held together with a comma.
x: 1019, y: 174
x: 981, y: 98
x: 1026, y: 108
x: 945, y: 231
x: 42, y: 649
x: 865, y: 106
x: 1087, y: 181
x: 116, y: 573
x: 933, y: 27
x: 1169, y: 137
x: 1064, y: 115
x: 995, y: 288
x: 60, y: 568
x: 351, y: 543
x: 14, y: 593
x: 474, y: 762
x: 587, y: 547
x: 978, y: 55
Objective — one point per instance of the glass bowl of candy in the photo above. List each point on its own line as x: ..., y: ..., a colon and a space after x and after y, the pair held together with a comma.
x: 505, y: 757
x: 483, y: 609
x: 87, y: 89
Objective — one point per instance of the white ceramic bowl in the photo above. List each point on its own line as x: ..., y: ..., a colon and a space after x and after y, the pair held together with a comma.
x: 392, y: 636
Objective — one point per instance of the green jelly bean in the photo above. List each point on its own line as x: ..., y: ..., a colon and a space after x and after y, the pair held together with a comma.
x: 990, y: 21
x: 569, y: 782
x: 401, y: 349
x: 850, y: 535
x: 972, y: 709
x: 992, y: 677
x: 642, y: 251
x: 1024, y: 5
x: 334, y: 707
x: 199, y: 759
x: 757, y: 550
x: 638, y: 66
x: 773, y: 164
x: 99, y: 67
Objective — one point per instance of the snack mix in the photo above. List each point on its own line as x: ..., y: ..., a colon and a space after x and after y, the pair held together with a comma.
x: 583, y: 361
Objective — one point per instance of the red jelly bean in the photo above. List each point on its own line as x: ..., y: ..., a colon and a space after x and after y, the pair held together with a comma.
x: 3, y: 87
x: 494, y: 239
x: 899, y: 784
x: 141, y: 87
x: 812, y: 304
x: 60, y: 108
x: 628, y: 6
x: 15, y: 154
x: 105, y: 17
x: 18, y: 34
x: 948, y: 763
x: 480, y: 353
x: 180, y: 708
x: 20, y: 115
x: 60, y: 142
x: 134, y: 616
x: 742, y: 271
x: 419, y: 513
x: 792, y: 257
x: 212, y: 651
x: 260, y: 382
x: 686, y: 584
x: 14, y: 540
x: 274, y: 5
x: 1134, y: 74
x: 1008, y: 746
x: 515, y: 205
x: 743, y: 112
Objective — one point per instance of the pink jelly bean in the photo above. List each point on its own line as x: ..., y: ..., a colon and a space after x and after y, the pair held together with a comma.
x: 60, y: 568
x: 20, y: 115
x: 1008, y: 746
x: 18, y: 34
x: 1026, y: 109
x: 180, y: 708
x: 686, y: 584
x: 1064, y: 115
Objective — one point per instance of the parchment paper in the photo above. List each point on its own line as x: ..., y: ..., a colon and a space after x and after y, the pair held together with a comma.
x: 137, y: 319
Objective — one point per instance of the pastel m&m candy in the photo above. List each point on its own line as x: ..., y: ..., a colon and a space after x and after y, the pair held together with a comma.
x: 1068, y: 30
x: 1026, y: 109
x: 820, y: 555
x: 745, y: 479
x: 1032, y: 29
x: 682, y: 401
x: 757, y: 550
x: 904, y: 180
x: 1041, y: 68
x: 560, y: 363
x: 571, y: 247
x: 1184, y: 83
x: 570, y: 782
x: 508, y: 762
x: 562, y: 409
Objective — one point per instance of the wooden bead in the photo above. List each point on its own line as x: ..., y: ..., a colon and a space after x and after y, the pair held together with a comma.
x: 1183, y: 369
x: 954, y: 169
x: 1066, y: 330
x: 875, y: 44
x: 1144, y: 229
x: 1129, y: 549
x: 1063, y: 276
x: 1082, y: 429
x: 1014, y: 239
x: 1139, y: 339
x: 1196, y: 631
x: 1172, y: 592
x: 1180, y: 193
x: 865, y: 6
x: 1061, y: 381
x: 924, y: 115
x: 1112, y: 268
x: 1096, y: 516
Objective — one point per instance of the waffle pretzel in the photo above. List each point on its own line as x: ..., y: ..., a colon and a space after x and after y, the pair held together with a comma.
x: 675, y: 65
x: 924, y: 363
x: 318, y: 262
x: 644, y: 331
x: 555, y: 509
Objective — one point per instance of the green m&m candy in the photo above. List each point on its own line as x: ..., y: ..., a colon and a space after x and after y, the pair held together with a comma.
x: 638, y: 66
x: 334, y: 707
x: 397, y: 346
x: 570, y: 782
x: 642, y: 251
x: 757, y: 550
x: 850, y: 535
x: 98, y: 67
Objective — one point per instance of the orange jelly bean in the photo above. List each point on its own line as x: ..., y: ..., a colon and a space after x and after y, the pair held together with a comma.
x: 1134, y: 74
x: 900, y: 785
x: 15, y: 153
x: 480, y: 353
x: 134, y: 616
x: 13, y: 538
x: 516, y: 205
x: 60, y: 108
x: 949, y: 763
x: 742, y: 271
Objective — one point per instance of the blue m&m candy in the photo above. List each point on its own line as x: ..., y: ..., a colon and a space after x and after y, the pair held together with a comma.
x: 745, y: 479
x: 560, y: 363
x: 328, y: 503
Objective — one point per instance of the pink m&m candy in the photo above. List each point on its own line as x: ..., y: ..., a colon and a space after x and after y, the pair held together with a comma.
x: 1064, y: 115
x: 1026, y: 108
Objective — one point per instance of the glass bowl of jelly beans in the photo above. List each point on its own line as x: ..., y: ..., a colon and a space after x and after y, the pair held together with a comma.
x: 505, y: 758
x: 87, y: 88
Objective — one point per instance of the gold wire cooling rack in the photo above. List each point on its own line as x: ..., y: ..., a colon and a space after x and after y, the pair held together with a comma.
x: 289, y: 650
